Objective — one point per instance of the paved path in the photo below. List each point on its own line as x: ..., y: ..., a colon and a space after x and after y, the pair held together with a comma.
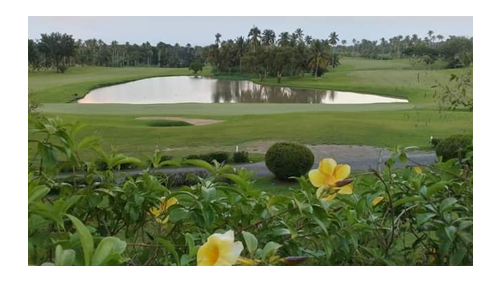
x: 359, y: 164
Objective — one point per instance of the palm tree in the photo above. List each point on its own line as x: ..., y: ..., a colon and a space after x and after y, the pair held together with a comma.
x: 382, y: 44
x: 344, y: 47
x: 320, y: 56
x: 354, y: 45
x: 254, y: 36
x: 240, y: 48
x: 284, y: 39
x: 333, y: 40
x: 217, y: 38
x: 430, y: 33
x: 308, y: 39
x: 293, y: 39
x: 268, y: 37
x: 440, y: 37
x: 300, y: 34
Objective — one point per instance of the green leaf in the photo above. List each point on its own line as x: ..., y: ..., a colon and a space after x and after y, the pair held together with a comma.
x: 177, y: 213
x: 281, y: 231
x: 423, y: 218
x: 170, y: 248
x: 251, y: 242
x: 320, y: 224
x: 245, y: 185
x: 88, y: 141
x: 464, y: 225
x: 447, y: 204
x: 407, y: 200
x: 270, y: 250
x: 191, y: 245
x: 458, y: 256
x: 64, y: 257
x: 109, y: 248
x: 202, y: 164
x: 169, y: 163
x: 49, y: 156
x: 37, y: 193
x: 450, y: 232
x: 435, y: 188
x: 85, y: 238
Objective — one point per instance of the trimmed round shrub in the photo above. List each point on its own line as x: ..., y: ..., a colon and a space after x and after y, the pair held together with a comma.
x: 454, y: 146
x: 289, y: 159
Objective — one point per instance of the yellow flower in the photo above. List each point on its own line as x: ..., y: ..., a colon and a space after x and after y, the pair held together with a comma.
x: 163, y: 209
x: 377, y: 200
x: 417, y: 169
x: 327, y: 179
x: 219, y: 250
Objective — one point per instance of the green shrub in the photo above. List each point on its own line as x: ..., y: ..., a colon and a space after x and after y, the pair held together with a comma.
x: 241, y: 157
x: 219, y: 156
x: 289, y: 159
x: 434, y: 142
x: 102, y: 166
x: 454, y: 146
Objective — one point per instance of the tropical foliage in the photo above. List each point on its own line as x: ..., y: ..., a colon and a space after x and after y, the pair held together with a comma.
x: 409, y: 216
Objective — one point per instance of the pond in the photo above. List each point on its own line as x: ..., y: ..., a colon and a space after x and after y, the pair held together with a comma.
x: 193, y: 89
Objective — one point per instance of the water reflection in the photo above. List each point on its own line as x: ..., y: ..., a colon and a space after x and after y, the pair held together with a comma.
x: 183, y: 89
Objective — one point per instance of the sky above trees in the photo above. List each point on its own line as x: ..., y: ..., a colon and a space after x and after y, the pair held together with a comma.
x: 201, y: 30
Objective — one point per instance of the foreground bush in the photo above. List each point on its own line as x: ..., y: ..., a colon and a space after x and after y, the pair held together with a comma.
x: 455, y: 146
x: 415, y: 216
x: 289, y: 159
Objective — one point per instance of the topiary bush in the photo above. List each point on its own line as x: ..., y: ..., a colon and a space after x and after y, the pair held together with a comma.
x: 241, y: 157
x: 289, y: 159
x: 454, y: 146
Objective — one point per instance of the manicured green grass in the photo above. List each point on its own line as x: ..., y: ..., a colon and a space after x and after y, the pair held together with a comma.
x: 378, y: 128
x: 377, y: 124
x: 389, y: 78
x: 218, y: 109
x: 50, y: 86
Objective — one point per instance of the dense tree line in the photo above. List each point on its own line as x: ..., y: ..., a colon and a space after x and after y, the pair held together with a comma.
x: 261, y: 53
x: 266, y: 54
x: 98, y: 53
x: 456, y: 51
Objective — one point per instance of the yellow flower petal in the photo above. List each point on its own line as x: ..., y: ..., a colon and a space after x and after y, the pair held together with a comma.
x: 329, y: 197
x: 377, y: 200
x: 317, y: 178
x: 155, y: 211
x: 319, y: 192
x: 342, y: 171
x: 220, y: 250
x: 417, y: 169
x: 346, y: 189
x: 170, y: 202
x: 327, y: 166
